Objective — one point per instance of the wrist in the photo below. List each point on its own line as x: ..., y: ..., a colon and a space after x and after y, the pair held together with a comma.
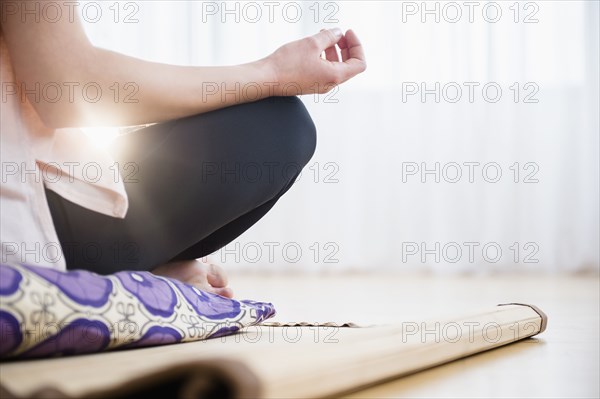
x: 268, y: 76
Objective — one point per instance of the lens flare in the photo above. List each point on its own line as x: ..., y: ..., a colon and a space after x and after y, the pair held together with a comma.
x: 101, y: 136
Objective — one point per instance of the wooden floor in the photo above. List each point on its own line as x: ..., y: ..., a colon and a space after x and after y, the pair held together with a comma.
x: 564, y: 361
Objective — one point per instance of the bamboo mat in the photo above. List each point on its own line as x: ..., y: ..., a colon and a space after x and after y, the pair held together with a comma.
x: 275, y: 360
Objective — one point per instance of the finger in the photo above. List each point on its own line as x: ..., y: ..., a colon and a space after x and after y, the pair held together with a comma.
x: 343, y: 45
x: 353, y: 56
x: 331, y: 54
x: 216, y: 276
x: 327, y: 38
x: 347, y: 70
x: 354, y: 47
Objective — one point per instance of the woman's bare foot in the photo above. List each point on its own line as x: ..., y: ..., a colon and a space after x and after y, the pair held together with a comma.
x: 204, y: 275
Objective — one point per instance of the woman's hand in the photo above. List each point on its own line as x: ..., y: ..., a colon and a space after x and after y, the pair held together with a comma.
x: 299, y: 68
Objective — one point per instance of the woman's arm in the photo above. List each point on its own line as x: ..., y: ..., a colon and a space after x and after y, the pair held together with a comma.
x: 60, y: 72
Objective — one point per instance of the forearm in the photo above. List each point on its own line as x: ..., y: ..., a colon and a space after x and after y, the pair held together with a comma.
x: 72, y: 83
x: 112, y: 89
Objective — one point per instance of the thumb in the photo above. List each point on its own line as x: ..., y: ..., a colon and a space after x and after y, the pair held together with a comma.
x: 328, y: 37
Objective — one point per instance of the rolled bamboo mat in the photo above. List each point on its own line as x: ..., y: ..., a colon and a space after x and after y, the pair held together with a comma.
x: 275, y: 360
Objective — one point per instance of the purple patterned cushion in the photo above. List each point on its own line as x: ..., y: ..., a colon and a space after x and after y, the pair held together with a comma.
x: 46, y: 312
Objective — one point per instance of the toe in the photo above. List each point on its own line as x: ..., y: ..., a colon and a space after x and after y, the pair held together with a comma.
x: 202, y: 275
x: 216, y: 276
x: 225, y: 291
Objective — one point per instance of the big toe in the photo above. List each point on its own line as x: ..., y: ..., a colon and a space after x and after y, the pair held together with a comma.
x: 225, y: 291
x: 216, y: 276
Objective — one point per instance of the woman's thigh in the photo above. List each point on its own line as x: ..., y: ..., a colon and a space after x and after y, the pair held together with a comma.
x: 187, y: 179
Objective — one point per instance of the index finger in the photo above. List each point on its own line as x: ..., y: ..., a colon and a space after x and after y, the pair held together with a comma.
x: 353, y: 56
x: 351, y: 47
x: 327, y: 38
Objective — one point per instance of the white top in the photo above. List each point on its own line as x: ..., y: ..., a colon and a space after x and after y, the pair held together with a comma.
x: 33, y: 156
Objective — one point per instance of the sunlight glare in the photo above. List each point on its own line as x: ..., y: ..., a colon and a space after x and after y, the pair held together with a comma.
x: 101, y: 136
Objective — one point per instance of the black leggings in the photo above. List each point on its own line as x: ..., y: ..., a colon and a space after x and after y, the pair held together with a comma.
x: 194, y: 185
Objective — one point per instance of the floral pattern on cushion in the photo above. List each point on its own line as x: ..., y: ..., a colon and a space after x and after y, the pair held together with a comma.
x: 46, y: 312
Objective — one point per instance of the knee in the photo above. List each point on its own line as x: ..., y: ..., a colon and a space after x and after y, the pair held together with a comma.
x: 297, y: 132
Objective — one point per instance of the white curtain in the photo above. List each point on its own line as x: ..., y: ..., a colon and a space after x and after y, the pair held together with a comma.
x: 369, y: 199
